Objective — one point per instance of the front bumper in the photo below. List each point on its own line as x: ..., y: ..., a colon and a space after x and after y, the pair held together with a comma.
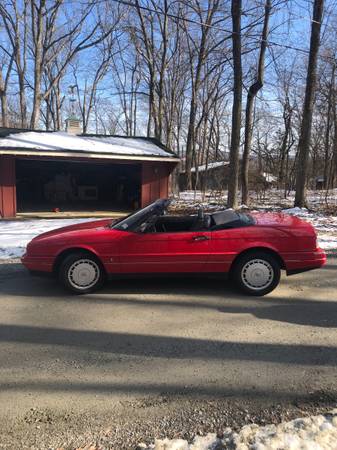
x: 38, y: 263
x: 303, y: 261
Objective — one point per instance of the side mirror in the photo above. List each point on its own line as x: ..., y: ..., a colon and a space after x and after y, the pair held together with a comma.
x: 146, y: 227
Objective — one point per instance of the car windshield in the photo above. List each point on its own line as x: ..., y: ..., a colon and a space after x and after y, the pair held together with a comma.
x: 134, y: 219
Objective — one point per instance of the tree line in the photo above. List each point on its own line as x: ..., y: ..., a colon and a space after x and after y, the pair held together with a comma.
x: 252, y: 82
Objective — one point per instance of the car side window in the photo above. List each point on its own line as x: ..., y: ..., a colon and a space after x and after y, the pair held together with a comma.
x: 176, y: 224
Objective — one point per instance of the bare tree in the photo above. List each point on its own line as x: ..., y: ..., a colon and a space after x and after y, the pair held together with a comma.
x: 50, y: 40
x: 127, y: 78
x: 5, y: 66
x: 305, y: 134
x: 252, y: 93
x: 237, y: 106
x: 14, y: 17
x: 86, y: 99
x: 199, y: 52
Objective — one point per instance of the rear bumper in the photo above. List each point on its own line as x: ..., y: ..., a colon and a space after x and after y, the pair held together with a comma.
x: 38, y: 263
x: 303, y: 261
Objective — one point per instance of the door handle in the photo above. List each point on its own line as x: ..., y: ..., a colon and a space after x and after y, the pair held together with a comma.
x: 200, y: 238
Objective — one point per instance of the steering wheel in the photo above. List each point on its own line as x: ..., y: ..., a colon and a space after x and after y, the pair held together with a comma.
x: 142, y: 228
x: 151, y: 228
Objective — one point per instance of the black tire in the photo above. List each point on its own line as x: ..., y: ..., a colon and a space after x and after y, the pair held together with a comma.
x: 249, y: 281
x: 89, y: 280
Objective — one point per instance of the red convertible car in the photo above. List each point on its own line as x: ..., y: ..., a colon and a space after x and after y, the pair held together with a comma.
x: 251, y: 248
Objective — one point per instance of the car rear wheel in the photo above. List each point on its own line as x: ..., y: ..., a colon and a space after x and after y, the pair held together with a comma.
x: 257, y: 273
x: 81, y: 273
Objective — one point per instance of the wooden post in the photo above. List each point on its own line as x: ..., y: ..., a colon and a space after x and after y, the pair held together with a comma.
x: 7, y: 186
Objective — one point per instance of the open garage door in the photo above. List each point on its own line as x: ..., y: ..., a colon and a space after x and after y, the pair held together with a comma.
x: 43, y: 185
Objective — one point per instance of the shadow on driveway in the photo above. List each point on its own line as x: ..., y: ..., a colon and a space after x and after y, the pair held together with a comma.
x: 189, y: 292
x: 169, y: 347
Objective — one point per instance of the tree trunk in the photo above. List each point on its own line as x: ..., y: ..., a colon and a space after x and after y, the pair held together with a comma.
x: 252, y: 92
x: 4, y: 110
x: 34, y: 121
x: 23, y: 103
x: 38, y: 48
x: 327, y: 131
x: 237, y: 106
x: 305, y: 134
x: 164, y: 38
x: 190, y: 142
x: 284, y: 148
x: 196, y: 83
x: 3, y: 100
x: 326, y: 146
x: 334, y: 137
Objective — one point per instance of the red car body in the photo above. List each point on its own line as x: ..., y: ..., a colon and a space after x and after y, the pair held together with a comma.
x: 120, y: 251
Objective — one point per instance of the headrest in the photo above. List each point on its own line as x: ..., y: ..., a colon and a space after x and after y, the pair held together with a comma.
x: 207, y: 221
x: 201, y: 213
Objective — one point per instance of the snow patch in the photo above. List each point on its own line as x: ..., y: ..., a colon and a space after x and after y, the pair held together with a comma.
x: 297, y: 211
x: 16, y: 234
x: 311, y: 433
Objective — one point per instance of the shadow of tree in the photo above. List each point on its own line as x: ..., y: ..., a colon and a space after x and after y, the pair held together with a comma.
x: 154, y: 346
x: 209, y: 391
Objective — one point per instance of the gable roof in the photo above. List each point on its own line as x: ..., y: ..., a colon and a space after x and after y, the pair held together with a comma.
x: 59, y: 143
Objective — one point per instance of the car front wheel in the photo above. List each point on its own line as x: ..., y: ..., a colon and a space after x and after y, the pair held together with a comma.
x: 257, y: 273
x: 81, y: 273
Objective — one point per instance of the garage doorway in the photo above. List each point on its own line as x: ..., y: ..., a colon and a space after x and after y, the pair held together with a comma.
x: 76, y: 186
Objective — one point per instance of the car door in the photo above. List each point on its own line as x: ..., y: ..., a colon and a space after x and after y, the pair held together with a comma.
x: 225, y: 245
x: 164, y: 252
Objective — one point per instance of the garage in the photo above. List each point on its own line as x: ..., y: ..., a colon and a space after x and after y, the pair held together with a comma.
x: 47, y: 172
x: 76, y: 186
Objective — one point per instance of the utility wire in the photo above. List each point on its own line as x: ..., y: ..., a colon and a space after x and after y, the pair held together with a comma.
x: 231, y: 33
x: 195, y: 22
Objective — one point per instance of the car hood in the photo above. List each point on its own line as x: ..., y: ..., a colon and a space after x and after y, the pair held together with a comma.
x: 279, y: 220
x: 82, y: 227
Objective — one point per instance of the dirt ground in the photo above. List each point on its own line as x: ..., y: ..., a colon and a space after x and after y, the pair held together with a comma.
x: 147, y: 358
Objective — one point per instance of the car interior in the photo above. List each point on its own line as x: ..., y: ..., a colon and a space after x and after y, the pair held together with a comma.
x: 220, y: 220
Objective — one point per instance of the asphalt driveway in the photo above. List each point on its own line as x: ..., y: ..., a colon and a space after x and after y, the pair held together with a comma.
x: 163, y: 336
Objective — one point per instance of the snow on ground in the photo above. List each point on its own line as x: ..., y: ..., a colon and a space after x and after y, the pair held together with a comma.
x: 311, y: 433
x: 15, y: 234
x: 326, y: 226
x: 268, y: 199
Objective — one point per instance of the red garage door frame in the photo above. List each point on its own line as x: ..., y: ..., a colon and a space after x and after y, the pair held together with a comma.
x: 7, y: 186
x: 155, y: 181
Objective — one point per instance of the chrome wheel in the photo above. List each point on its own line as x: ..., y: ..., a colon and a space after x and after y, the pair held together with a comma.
x: 83, y: 274
x: 257, y: 274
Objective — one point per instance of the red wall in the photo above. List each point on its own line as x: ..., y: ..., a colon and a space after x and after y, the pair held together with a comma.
x: 155, y: 181
x: 7, y: 186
